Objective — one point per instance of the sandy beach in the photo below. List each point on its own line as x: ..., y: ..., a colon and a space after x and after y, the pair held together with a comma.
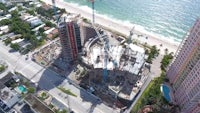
x: 119, y: 27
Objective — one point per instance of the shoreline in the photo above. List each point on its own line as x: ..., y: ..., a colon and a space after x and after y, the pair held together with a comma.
x: 120, y: 27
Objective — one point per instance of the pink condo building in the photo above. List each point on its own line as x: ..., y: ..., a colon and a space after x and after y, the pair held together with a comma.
x: 184, y: 72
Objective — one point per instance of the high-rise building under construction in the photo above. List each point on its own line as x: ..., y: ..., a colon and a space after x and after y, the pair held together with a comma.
x: 69, y: 33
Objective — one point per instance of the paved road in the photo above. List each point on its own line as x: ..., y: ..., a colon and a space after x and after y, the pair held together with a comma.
x: 48, y: 80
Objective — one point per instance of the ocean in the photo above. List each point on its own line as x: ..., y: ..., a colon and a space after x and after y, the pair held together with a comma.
x: 166, y: 18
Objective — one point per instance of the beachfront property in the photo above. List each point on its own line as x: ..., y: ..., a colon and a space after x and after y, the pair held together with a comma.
x: 124, y: 64
x: 69, y: 34
x: 184, y: 72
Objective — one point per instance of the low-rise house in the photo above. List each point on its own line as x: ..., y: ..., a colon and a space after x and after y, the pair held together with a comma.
x: 53, y: 34
x: 19, y: 4
x: 46, y: 28
x: 38, y: 4
x: 12, y: 9
x: 49, y: 31
x: 13, y: 37
x: 35, y: 23
x: 2, y: 18
x: 31, y: 3
x: 4, y: 29
x: 17, y: 41
x: 4, y: 37
x: 26, y: 16
x: 8, y: 16
x: 32, y: 18
x: 50, y: 36
x: 37, y: 28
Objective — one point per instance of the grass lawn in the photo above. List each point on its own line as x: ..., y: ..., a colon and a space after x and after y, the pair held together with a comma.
x: 139, y: 103
x: 67, y: 91
x: 151, y: 95
x: 2, y: 68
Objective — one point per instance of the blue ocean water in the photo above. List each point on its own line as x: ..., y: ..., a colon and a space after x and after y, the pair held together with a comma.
x: 169, y: 18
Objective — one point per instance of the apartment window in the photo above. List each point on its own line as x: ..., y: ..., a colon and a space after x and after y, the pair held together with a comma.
x: 198, y: 33
x: 196, y: 30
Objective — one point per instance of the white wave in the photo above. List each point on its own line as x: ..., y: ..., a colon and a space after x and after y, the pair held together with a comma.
x: 128, y: 24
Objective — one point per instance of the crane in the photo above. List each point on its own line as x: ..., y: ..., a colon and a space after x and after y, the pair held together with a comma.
x: 129, y: 40
x: 103, y: 39
x: 106, y: 50
x: 93, y: 18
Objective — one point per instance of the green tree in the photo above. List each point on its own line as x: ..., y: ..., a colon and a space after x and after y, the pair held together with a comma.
x: 31, y: 90
x: 31, y: 12
x: 61, y: 111
x: 2, y: 68
x: 15, y: 14
x: 47, y: 13
x: 166, y: 60
x: 63, y: 10
x: 44, y: 94
x: 85, y: 20
x: 20, y: 8
x: 7, y: 41
x: 3, y: 7
x: 5, y: 22
x: 41, y: 30
x: 154, y: 51
x: 15, y: 46
x: 152, y: 54
x: 49, y: 24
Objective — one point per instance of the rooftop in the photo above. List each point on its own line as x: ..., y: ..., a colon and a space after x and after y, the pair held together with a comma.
x: 129, y: 59
x: 49, y: 31
x: 37, y: 105
x: 67, y: 18
x: 9, y: 97
x: 17, y: 41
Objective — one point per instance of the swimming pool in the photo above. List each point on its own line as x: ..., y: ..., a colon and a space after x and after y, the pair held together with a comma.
x: 22, y: 88
x: 166, y: 92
